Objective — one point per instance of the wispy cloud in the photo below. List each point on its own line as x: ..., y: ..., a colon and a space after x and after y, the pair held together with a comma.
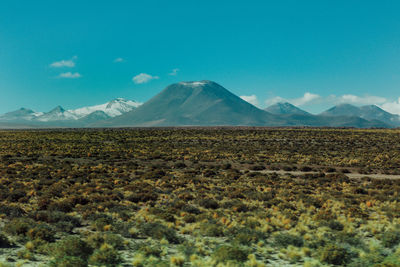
x: 358, y: 100
x: 305, y: 99
x: 70, y: 75
x: 143, y: 78
x: 274, y: 100
x: 70, y: 63
x: 119, y: 60
x: 174, y: 72
x: 252, y: 99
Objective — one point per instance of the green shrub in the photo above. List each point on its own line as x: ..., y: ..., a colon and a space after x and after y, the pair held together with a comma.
x: 41, y: 231
x: 211, y: 229
x: 285, y: 239
x: 68, y: 261
x: 159, y: 231
x: 335, y: 254
x: 105, y: 256
x: 72, y: 246
x: 150, y: 250
x: 246, y: 236
x: 19, y: 226
x: 230, y: 253
x: 99, y: 223
x: 391, y: 238
x: 95, y: 240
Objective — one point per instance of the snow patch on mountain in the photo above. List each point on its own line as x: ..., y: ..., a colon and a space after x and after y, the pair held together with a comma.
x: 113, y: 108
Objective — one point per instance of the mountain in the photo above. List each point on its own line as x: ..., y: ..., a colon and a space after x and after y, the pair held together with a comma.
x: 285, y: 108
x: 198, y: 103
x: 113, y: 108
x: 368, y: 112
x: 56, y: 114
x: 206, y: 103
x: 21, y: 114
x: 93, y: 117
x: 68, y: 118
x: 193, y: 103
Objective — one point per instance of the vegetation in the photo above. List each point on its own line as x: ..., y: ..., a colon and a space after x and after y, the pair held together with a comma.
x: 200, y: 197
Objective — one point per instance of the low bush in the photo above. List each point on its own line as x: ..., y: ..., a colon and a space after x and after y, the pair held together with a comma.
x: 285, y: 239
x: 159, y: 231
x: 335, y: 254
x: 70, y: 249
x: 227, y: 253
x: 106, y: 255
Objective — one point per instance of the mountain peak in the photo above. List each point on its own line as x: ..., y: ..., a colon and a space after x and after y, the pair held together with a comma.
x: 197, y: 83
x: 58, y: 109
x: 285, y: 108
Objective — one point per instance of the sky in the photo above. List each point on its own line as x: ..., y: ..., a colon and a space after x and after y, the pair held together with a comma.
x: 313, y: 53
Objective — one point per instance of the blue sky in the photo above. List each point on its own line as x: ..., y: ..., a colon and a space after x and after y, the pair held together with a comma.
x: 311, y: 53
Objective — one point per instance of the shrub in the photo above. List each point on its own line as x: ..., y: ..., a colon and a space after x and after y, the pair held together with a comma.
x: 4, y: 242
x: 335, y: 254
x: 105, y: 256
x: 100, y: 223
x: 72, y: 246
x: 209, y: 203
x: 191, y: 209
x: 150, y: 250
x: 334, y: 225
x: 159, y: 231
x: 284, y: 240
x: 41, y: 231
x: 229, y: 253
x: 211, y: 229
x: 391, y: 238
x: 68, y: 261
x: 95, y: 240
x: 19, y: 226
x: 247, y: 236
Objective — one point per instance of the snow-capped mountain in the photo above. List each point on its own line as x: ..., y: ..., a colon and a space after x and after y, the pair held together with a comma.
x: 57, y: 114
x: 104, y: 111
x: 113, y: 108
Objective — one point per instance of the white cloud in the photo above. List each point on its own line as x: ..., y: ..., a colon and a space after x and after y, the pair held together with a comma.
x: 392, y: 107
x: 360, y: 100
x: 70, y: 63
x: 305, y: 99
x: 70, y: 75
x: 143, y: 78
x: 252, y: 99
x: 274, y: 100
x: 119, y: 60
x: 174, y: 72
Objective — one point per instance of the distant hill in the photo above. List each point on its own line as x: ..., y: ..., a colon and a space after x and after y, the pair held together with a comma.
x: 285, y: 108
x: 368, y: 112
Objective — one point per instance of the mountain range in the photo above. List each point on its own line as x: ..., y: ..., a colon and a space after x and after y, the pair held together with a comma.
x: 198, y: 103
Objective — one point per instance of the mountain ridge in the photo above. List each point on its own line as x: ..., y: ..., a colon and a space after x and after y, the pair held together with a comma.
x: 197, y: 103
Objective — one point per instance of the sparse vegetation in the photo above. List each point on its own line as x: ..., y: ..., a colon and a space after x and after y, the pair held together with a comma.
x: 200, y: 197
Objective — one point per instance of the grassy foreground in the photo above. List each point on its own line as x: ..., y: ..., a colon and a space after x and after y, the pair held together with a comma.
x: 199, y: 197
